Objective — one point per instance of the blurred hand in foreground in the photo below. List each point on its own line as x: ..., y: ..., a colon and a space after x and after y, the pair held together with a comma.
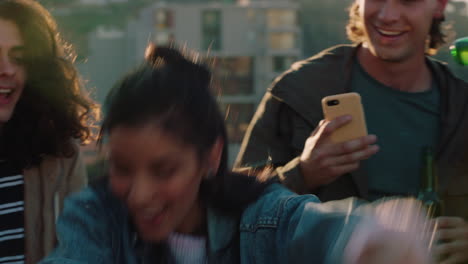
x: 393, y: 232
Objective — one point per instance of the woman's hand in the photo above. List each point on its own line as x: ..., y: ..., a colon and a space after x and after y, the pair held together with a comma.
x: 392, y: 232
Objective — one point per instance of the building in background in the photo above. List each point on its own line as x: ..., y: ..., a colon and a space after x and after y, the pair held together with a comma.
x: 248, y: 44
x: 100, y: 2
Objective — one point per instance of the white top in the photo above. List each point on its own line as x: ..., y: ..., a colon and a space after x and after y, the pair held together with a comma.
x: 187, y: 248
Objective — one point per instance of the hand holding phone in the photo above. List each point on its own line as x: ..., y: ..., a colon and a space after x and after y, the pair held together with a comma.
x: 339, y: 143
x: 345, y: 104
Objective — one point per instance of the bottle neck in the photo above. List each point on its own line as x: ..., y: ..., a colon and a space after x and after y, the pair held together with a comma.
x: 429, y: 181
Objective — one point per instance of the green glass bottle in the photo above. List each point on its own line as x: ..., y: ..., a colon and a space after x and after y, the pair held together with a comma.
x: 429, y: 182
x: 459, y: 51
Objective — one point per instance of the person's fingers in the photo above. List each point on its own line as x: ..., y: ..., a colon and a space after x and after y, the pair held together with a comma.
x: 458, y: 258
x: 449, y: 222
x: 319, y: 128
x: 328, y: 127
x: 353, y: 157
x: 453, y: 247
x: 352, y: 145
x: 360, y: 143
x: 361, y: 155
x: 337, y: 171
x: 452, y: 234
x: 444, y: 248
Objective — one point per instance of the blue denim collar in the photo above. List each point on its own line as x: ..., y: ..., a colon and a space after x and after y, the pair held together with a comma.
x: 222, y: 230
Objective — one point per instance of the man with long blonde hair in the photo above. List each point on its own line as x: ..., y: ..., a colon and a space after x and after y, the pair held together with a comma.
x: 411, y: 102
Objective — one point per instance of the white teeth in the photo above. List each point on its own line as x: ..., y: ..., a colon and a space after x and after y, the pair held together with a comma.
x: 5, y: 91
x: 390, y: 33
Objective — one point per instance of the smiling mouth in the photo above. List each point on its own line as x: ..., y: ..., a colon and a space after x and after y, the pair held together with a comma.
x: 390, y: 33
x: 6, y: 93
x: 151, y: 216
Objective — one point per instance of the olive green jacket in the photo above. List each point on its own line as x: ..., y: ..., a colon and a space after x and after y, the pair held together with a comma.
x: 291, y: 109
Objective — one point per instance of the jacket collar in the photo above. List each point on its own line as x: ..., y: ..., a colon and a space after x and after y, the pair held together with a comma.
x: 304, y: 85
x: 222, y: 231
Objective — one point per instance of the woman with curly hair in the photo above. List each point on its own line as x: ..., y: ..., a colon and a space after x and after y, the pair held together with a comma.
x: 44, y: 115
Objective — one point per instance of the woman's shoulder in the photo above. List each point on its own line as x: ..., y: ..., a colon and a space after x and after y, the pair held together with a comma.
x: 92, y: 228
x: 277, y: 194
x: 94, y: 200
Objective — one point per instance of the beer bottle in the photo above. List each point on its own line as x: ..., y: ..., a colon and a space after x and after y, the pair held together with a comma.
x: 428, y: 185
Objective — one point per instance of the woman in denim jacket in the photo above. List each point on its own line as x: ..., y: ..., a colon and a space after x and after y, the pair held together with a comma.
x: 169, y: 197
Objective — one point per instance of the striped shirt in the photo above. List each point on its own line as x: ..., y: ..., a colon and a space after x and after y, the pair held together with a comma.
x: 12, y: 239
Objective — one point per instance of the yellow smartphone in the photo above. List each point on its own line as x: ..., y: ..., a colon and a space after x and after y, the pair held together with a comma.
x: 345, y: 104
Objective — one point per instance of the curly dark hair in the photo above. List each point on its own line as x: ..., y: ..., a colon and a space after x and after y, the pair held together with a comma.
x: 355, y: 30
x: 54, y: 112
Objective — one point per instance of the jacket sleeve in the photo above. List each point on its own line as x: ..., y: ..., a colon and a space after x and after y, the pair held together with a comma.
x: 275, y: 137
x: 319, y: 232
x: 343, y: 231
x: 83, y: 232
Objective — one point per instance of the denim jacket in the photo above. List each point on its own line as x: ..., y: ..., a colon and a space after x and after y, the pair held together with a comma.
x: 280, y: 227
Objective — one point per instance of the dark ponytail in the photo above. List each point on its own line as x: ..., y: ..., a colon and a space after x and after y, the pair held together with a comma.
x: 173, y: 91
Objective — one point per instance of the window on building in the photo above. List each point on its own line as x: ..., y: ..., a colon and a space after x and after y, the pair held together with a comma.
x: 282, y: 40
x: 162, y: 19
x: 237, y: 119
x: 211, y: 30
x: 282, y: 63
x: 281, y: 18
x: 233, y: 75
